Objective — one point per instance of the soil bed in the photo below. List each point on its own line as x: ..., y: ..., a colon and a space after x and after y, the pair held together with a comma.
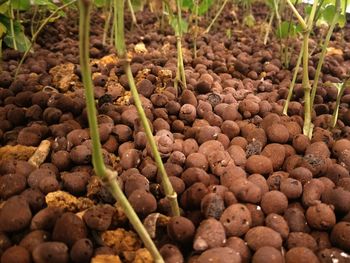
x: 251, y: 186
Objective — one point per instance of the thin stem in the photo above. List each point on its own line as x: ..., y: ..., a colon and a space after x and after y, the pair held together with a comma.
x: 337, y: 104
x: 195, y: 28
x: 36, y: 34
x: 292, y: 84
x: 180, y: 62
x: 12, y: 28
x: 268, y: 28
x: 216, y: 16
x: 306, y: 86
x: 107, y: 23
x: 108, y: 176
x: 134, y: 20
x: 33, y: 20
x: 298, y: 16
x: 324, y: 51
x: 121, y: 50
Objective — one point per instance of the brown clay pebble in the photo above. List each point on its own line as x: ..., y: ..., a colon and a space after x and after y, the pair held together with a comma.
x: 267, y: 255
x: 220, y: 254
x: 34, y: 238
x: 68, y: 229
x: 236, y: 220
x: 46, y: 218
x: 82, y: 251
x: 300, y: 239
x: 11, y: 184
x: 320, y: 217
x: 292, y: 188
x: 99, y: 217
x: 277, y: 223
x: 53, y: 252
x: 16, y: 254
x: 301, y: 255
x: 143, y: 202
x: 171, y: 254
x: 274, y: 202
x: 262, y: 236
x: 212, y: 205
x: 277, y: 133
x: 15, y: 214
x: 340, y: 235
x: 258, y: 164
x: 181, y: 229
x: 209, y: 234
x: 241, y: 247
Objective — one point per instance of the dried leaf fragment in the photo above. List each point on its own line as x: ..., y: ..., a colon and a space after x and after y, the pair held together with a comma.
x: 18, y: 152
x: 67, y: 201
x: 106, y: 259
x: 121, y: 240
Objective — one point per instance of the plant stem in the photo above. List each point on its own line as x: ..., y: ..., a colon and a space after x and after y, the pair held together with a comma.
x: 107, y: 23
x: 324, y: 50
x: 108, y: 176
x: 268, y: 28
x: 292, y: 84
x: 168, y: 189
x: 12, y: 28
x: 36, y: 34
x: 132, y: 12
x: 298, y: 16
x: 216, y: 16
x: 195, y: 28
x: 180, y: 61
x: 337, y: 104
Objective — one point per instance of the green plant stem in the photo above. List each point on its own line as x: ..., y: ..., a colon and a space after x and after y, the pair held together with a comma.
x: 196, y: 7
x: 33, y: 20
x: 337, y: 104
x: 133, y: 17
x: 108, y: 176
x: 292, y: 84
x: 120, y: 44
x: 216, y: 16
x: 180, y: 61
x: 324, y: 51
x: 298, y: 16
x: 36, y: 34
x: 12, y: 28
x: 107, y: 23
x: 268, y: 28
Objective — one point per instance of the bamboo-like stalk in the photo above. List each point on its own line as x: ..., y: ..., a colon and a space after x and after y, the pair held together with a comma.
x: 341, y: 90
x: 308, y: 127
x: 268, y: 28
x: 108, y: 176
x: 121, y: 50
x: 324, y: 50
x: 107, y: 23
x: 216, y: 16
x: 12, y: 28
x: 292, y: 84
x: 133, y: 17
x: 196, y: 7
x: 180, y: 61
x: 34, y: 37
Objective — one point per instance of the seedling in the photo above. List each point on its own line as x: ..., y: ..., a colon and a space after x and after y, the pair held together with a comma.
x: 330, y: 13
x: 248, y: 18
x: 179, y: 25
x: 341, y: 88
x: 108, y: 176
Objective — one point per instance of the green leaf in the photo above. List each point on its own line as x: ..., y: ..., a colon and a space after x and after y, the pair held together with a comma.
x: 22, y: 5
x: 21, y: 40
x: 328, y: 14
x: 342, y: 20
x: 100, y: 3
x: 204, y: 6
x: 188, y: 4
x: 49, y: 4
x: 287, y: 29
x: 249, y: 20
x: 3, y: 30
x: 4, y: 8
x: 183, y: 25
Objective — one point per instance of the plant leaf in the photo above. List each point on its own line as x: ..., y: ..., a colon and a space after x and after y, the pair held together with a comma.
x: 204, y: 6
x: 100, y: 3
x: 22, y: 41
x: 287, y: 29
x: 4, y: 8
x: 3, y: 30
x: 22, y: 5
x: 328, y: 14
